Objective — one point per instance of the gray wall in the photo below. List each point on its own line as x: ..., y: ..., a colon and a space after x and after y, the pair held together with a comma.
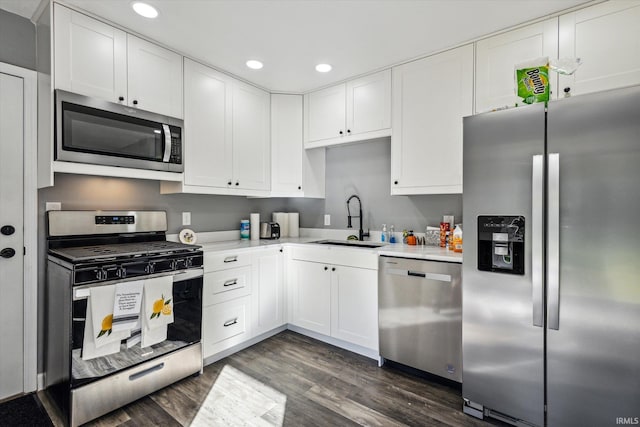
x: 17, y: 40
x: 365, y: 169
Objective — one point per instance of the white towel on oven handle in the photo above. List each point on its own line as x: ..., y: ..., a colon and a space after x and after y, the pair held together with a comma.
x: 101, y: 302
x: 158, y: 302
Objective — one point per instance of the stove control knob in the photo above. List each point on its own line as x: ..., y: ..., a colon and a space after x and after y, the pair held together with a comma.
x: 101, y: 274
x: 188, y: 262
x: 121, y: 272
x: 173, y: 264
x: 150, y: 268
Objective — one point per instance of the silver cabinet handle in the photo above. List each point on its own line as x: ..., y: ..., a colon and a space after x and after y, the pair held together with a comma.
x: 167, y: 143
x: 231, y: 282
x: 553, y: 239
x: 230, y: 322
x: 420, y: 274
x: 537, y: 232
x: 231, y: 259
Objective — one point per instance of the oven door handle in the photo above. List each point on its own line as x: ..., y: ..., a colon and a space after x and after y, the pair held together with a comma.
x: 146, y: 372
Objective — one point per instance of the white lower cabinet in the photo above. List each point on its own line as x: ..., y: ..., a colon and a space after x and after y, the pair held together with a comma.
x: 311, y: 296
x: 354, y: 305
x: 333, y: 299
x: 225, y: 325
x: 268, y: 290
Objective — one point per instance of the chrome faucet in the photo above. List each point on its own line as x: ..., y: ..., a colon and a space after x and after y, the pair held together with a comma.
x: 361, y: 233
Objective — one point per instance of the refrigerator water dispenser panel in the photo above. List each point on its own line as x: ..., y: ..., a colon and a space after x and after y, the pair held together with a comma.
x: 501, y: 244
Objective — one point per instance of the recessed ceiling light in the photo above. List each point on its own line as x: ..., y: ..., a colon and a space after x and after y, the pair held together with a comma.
x: 323, y: 68
x: 144, y: 9
x: 256, y: 65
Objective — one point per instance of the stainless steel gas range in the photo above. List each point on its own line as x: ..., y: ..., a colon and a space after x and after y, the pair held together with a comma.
x: 89, y: 253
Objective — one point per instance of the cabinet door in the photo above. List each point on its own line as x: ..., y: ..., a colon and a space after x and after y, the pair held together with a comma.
x: 369, y: 103
x: 286, y: 145
x: 426, y: 145
x: 325, y: 112
x: 207, y: 131
x: 154, y: 77
x: 90, y: 57
x: 496, y: 57
x: 607, y: 39
x: 268, y: 290
x: 354, y: 305
x: 311, y: 296
x: 251, y: 145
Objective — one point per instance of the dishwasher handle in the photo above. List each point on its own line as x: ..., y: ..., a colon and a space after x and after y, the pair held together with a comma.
x: 420, y: 274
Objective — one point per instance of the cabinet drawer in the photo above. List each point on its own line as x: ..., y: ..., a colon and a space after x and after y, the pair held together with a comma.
x: 223, y: 260
x: 225, y: 325
x: 225, y: 285
x: 361, y: 258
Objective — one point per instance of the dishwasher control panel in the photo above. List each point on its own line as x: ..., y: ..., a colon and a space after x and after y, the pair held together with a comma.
x: 501, y: 244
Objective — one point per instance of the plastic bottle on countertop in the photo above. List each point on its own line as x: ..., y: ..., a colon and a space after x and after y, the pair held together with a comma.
x: 392, y: 237
x: 383, y: 236
x: 457, y: 239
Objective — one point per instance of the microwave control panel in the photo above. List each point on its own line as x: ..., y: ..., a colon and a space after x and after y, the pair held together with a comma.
x: 501, y: 244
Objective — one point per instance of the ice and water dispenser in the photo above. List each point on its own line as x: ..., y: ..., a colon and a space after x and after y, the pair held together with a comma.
x: 501, y: 244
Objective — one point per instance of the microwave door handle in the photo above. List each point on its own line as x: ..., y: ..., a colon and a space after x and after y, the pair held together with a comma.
x: 167, y: 143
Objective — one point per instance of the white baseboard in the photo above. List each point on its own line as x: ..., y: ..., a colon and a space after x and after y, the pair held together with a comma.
x: 366, y: 352
x: 40, y: 381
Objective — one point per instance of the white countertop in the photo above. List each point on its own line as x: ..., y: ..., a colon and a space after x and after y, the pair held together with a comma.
x: 432, y: 253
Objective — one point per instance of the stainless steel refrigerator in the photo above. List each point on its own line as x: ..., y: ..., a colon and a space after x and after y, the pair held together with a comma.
x: 551, y: 269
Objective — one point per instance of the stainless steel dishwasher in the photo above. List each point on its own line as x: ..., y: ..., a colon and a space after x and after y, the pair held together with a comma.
x: 420, y: 314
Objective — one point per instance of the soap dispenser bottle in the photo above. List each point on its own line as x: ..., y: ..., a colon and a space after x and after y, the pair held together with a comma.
x: 383, y: 236
x: 392, y: 237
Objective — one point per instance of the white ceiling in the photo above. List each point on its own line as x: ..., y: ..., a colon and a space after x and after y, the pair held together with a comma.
x: 291, y: 36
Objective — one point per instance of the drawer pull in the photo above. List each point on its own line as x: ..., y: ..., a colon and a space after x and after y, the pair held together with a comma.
x: 231, y: 282
x: 146, y: 372
x: 231, y: 259
x: 230, y: 322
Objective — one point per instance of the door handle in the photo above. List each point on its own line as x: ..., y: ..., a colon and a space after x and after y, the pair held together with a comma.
x: 167, y: 143
x: 7, y: 230
x: 230, y: 282
x: 553, y: 248
x: 7, y: 253
x: 230, y: 322
x: 537, y: 231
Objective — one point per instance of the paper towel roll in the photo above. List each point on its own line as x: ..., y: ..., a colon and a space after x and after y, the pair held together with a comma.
x: 254, y: 219
x: 283, y: 220
x: 294, y: 224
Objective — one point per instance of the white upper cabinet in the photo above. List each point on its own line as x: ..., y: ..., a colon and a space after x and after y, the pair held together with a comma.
x: 497, y: 56
x: 251, y: 143
x: 208, y: 126
x: 606, y: 37
x: 154, y: 77
x: 430, y: 98
x: 95, y: 59
x: 357, y: 110
x: 295, y: 172
x: 227, y: 144
x: 90, y: 56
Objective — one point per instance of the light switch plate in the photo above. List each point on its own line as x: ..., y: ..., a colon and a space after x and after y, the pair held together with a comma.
x: 53, y: 206
x: 327, y: 219
x: 186, y: 218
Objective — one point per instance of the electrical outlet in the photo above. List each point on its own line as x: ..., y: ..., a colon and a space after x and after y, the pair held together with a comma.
x: 327, y: 219
x: 53, y: 206
x: 186, y: 218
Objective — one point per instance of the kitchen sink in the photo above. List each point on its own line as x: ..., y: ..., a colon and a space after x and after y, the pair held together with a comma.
x: 349, y: 243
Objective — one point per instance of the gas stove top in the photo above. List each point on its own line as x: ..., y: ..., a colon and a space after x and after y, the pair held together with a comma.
x: 121, y: 251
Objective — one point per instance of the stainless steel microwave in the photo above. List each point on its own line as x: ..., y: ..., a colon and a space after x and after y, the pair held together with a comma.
x: 93, y: 131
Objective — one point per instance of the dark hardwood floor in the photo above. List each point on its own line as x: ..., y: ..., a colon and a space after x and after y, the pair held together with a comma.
x: 294, y: 380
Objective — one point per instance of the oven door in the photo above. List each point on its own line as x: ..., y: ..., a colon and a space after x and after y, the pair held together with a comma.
x: 93, y: 131
x: 184, y: 331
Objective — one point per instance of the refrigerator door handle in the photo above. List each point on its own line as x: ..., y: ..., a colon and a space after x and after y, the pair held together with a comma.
x: 537, y: 233
x: 553, y: 248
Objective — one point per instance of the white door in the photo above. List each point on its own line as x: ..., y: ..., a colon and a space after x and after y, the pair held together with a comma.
x: 606, y: 37
x: 11, y: 239
x: 268, y: 290
x: 497, y: 56
x: 91, y: 57
x: 311, y: 305
x: 251, y: 138
x: 325, y: 112
x: 208, y: 121
x: 354, y: 305
x: 369, y: 103
x: 154, y: 77
x: 286, y: 145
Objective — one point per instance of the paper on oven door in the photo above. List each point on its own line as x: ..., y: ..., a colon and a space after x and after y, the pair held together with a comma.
x: 126, y: 305
x: 101, y: 301
x: 89, y: 349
